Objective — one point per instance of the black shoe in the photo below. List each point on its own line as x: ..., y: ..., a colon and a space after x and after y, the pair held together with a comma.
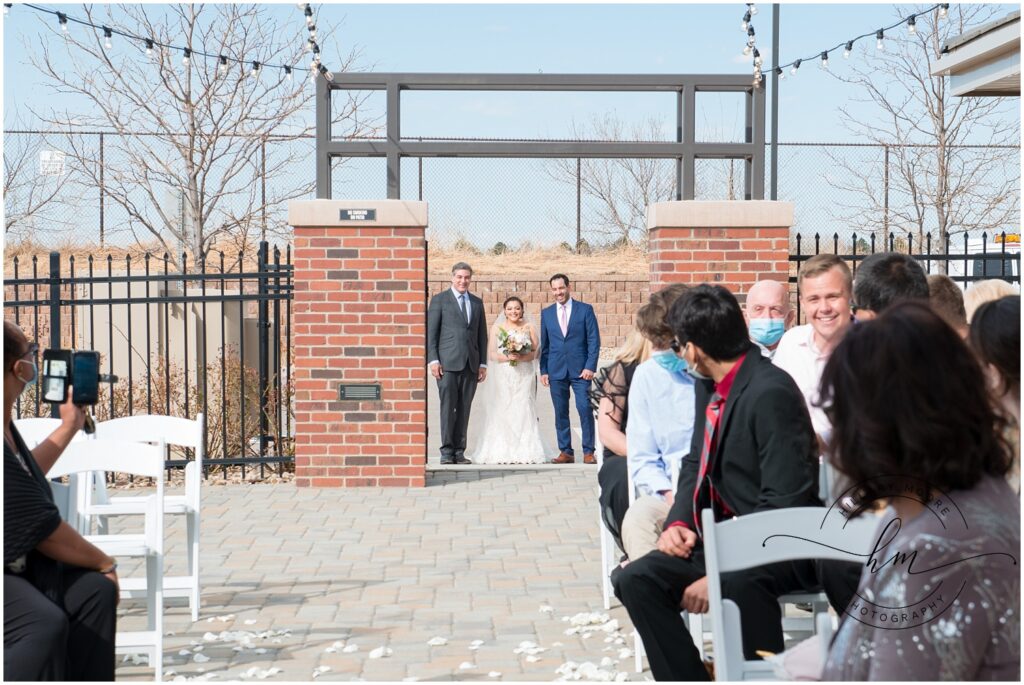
x: 462, y: 460
x: 447, y: 460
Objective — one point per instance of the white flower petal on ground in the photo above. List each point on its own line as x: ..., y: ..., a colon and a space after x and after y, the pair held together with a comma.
x: 261, y: 650
x: 200, y: 658
x: 197, y: 648
x: 381, y: 652
x: 476, y: 643
x: 611, y: 626
x: 556, y: 644
x: 348, y: 649
x: 210, y: 637
x: 494, y: 674
x: 329, y: 650
x: 607, y: 662
x: 533, y: 658
x: 466, y: 665
x: 250, y: 621
x: 625, y: 653
x: 169, y: 672
x: 437, y: 641
x: 547, y: 609
x: 621, y: 677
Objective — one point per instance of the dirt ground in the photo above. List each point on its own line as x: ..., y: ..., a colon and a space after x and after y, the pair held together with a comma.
x: 618, y: 261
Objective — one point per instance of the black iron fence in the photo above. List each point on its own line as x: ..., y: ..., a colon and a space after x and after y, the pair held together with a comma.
x: 213, y: 337
x: 964, y: 258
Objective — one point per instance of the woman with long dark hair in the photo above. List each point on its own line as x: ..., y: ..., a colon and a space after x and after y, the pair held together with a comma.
x: 914, y: 430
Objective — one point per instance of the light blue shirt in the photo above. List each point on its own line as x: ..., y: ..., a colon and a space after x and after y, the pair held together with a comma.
x: 660, y: 426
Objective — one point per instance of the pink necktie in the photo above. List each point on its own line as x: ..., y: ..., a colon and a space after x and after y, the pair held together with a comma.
x: 562, y: 321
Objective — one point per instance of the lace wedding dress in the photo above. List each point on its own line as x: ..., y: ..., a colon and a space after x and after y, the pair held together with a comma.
x: 510, y: 432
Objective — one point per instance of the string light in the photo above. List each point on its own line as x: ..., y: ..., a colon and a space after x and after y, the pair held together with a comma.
x: 7, y: 8
x: 780, y: 73
x: 757, y: 58
x: 187, y: 53
x: 753, y: 7
x: 910, y: 21
x: 255, y: 72
x: 746, y: 21
x: 288, y: 73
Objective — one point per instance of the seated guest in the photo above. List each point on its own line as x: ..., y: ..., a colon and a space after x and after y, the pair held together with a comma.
x: 932, y: 435
x: 768, y: 314
x: 980, y: 292
x: 660, y: 428
x: 884, y: 279
x: 948, y: 302
x: 995, y: 337
x: 609, y: 396
x: 753, y: 449
x: 60, y: 591
x: 825, y: 286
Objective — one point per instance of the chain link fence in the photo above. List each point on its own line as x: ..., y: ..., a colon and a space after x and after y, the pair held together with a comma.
x: 489, y: 204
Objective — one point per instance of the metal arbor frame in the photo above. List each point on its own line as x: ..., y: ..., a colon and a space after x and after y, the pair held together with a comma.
x: 685, y: 149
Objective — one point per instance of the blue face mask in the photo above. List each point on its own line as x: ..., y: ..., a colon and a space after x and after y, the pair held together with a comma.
x: 697, y: 375
x: 29, y: 382
x: 670, y: 361
x: 767, y: 331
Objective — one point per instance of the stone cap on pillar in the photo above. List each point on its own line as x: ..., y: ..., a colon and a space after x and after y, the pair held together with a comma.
x: 720, y: 214
x: 347, y: 213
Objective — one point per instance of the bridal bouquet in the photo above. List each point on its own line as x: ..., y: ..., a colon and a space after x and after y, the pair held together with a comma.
x: 514, y: 341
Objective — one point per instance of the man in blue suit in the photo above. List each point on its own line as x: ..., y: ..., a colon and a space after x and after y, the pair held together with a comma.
x: 569, y: 345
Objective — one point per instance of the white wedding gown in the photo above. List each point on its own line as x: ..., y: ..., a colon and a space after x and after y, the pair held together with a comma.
x: 510, y: 432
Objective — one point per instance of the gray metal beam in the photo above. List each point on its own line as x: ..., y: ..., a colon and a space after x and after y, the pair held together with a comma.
x: 757, y: 161
x: 394, y: 135
x: 689, y: 136
x: 593, y: 82
x: 323, y: 139
x: 607, y: 150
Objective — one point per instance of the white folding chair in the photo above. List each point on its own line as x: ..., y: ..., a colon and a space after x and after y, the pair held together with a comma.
x: 172, y: 431
x: 118, y: 456
x: 769, y: 537
x: 608, y: 560
x: 33, y: 431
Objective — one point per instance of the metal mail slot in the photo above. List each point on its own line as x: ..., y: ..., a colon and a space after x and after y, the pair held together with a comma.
x: 359, y: 391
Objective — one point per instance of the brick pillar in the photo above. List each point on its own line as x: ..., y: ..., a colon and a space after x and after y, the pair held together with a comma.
x: 359, y: 317
x: 732, y: 243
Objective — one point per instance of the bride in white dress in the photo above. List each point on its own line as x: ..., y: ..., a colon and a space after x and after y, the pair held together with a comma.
x: 510, y: 432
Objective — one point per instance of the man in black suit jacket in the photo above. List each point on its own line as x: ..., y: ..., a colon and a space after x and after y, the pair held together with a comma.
x: 761, y: 454
x: 457, y: 348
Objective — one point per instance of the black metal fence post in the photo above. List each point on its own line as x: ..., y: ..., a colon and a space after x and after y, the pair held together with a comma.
x: 54, y: 316
x: 263, y: 330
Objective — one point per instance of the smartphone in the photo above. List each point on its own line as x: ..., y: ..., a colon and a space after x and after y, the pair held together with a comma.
x: 85, y: 374
x: 56, y: 367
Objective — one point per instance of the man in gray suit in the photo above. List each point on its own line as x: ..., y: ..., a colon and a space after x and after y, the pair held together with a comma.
x: 457, y: 348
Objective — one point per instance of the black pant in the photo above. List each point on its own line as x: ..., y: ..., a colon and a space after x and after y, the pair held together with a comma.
x: 43, y: 641
x: 456, y: 390
x: 651, y: 589
x: 614, y: 494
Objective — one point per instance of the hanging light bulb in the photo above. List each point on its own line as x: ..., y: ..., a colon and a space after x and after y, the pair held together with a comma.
x: 149, y: 47
x: 757, y: 58
x: 63, y: 19
x: 780, y: 73
x: 943, y: 10
x: 880, y: 43
x: 309, y: 15
x: 747, y: 50
x: 753, y: 7
x: 796, y: 65
x: 186, y: 57
x: 912, y: 25
x: 316, y: 55
x: 223, y: 65
x: 746, y: 21
x: 7, y: 8
x: 107, y: 35
x: 326, y: 74
x: 255, y: 71
x: 824, y: 60
x: 312, y: 31
x: 848, y: 49
x: 288, y: 73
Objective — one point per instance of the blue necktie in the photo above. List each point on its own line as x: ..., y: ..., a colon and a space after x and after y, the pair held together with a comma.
x: 465, y: 313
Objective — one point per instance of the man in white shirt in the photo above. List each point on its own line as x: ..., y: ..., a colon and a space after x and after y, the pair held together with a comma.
x: 825, y: 286
x: 768, y: 315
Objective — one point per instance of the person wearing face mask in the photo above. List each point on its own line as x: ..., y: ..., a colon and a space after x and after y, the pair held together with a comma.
x: 60, y: 591
x: 768, y: 315
x: 753, y: 449
x: 660, y: 426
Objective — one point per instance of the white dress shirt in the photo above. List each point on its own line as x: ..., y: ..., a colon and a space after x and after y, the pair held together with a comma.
x: 798, y: 356
x: 568, y: 314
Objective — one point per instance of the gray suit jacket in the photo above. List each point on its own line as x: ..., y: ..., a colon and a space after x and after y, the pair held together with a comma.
x: 450, y: 339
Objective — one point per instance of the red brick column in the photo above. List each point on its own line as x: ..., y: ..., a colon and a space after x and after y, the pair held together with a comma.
x: 359, y: 317
x: 732, y: 243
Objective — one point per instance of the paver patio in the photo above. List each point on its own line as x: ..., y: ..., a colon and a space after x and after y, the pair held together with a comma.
x: 473, y: 556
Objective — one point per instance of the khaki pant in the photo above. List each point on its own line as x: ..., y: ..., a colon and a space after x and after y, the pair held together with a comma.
x: 642, y: 525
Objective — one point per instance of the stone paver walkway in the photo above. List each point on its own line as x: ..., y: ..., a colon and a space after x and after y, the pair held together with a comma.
x: 309, y: 581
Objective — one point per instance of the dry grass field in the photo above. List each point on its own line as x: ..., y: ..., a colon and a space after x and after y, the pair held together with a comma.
x: 542, y: 262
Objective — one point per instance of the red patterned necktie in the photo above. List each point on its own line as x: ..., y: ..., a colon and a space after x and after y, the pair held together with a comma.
x: 711, y: 415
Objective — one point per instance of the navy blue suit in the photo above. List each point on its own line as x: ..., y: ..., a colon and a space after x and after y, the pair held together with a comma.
x: 562, y: 359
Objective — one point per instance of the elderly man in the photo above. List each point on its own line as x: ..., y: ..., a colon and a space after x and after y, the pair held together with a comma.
x: 884, y: 279
x: 825, y: 285
x: 768, y: 315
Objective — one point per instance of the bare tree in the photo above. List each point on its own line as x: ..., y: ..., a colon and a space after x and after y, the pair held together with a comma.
x: 949, y: 164
x: 27, y: 191
x: 199, y: 155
